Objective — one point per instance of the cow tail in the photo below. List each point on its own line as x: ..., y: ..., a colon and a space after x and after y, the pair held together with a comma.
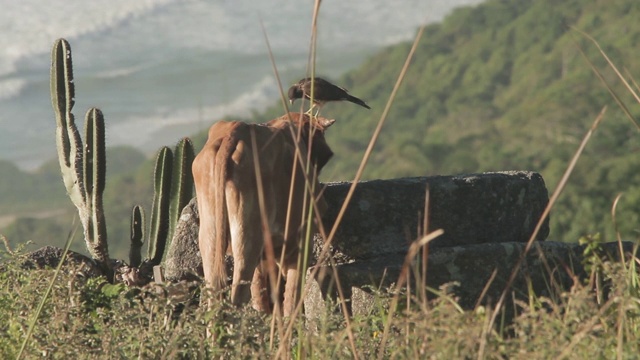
x: 219, y: 280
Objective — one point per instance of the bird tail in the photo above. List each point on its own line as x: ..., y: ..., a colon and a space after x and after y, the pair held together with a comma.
x: 355, y: 100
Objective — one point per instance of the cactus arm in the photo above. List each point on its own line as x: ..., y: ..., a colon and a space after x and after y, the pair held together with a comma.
x: 95, y: 154
x: 68, y: 141
x: 181, y: 183
x: 137, y: 234
x: 94, y: 172
x: 160, y: 208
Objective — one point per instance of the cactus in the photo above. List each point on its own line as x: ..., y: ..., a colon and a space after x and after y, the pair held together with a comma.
x: 173, y: 189
x: 83, y: 169
x: 159, y: 227
x: 137, y: 236
x: 181, y: 184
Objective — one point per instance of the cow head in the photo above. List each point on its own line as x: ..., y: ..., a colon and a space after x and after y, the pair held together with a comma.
x: 320, y: 151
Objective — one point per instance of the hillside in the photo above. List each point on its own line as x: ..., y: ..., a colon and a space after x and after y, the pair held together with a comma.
x: 46, y: 216
x: 503, y: 86
x: 499, y: 86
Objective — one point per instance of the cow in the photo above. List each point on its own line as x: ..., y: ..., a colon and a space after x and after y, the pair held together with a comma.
x: 252, y: 192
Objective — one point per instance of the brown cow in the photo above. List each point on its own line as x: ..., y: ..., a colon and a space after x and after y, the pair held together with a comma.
x: 226, y: 171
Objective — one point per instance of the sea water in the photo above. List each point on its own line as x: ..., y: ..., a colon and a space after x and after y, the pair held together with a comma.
x: 163, y: 69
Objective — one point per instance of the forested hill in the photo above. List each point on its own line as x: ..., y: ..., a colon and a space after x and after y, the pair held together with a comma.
x: 503, y: 86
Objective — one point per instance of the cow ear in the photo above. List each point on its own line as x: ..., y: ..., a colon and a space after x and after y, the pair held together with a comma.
x: 325, y: 123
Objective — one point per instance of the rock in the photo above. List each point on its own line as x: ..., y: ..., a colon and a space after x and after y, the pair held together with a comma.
x: 549, y: 266
x: 49, y: 257
x: 384, y: 216
x: 183, y: 261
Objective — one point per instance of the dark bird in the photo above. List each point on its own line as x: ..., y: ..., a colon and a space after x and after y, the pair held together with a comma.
x: 323, y: 92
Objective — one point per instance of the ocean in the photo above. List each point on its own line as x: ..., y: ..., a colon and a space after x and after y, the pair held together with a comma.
x: 163, y: 69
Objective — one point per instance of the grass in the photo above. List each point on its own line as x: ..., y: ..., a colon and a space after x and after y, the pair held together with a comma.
x: 90, y: 318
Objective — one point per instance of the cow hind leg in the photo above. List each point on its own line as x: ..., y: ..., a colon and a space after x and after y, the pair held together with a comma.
x: 207, y: 253
x: 260, y: 290
x: 291, y: 287
x: 292, y: 273
x: 245, y: 261
x: 291, y: 291
x: 246, y: 246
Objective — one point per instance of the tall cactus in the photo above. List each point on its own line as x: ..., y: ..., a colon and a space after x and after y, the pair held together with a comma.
x: 83, y: 169
x: 159, y: 229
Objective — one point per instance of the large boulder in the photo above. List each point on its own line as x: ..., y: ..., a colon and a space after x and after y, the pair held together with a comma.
x: 385, y: 216
x: 183, y: 261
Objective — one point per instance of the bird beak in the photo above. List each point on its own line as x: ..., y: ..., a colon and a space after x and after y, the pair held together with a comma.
x: 291, y: 101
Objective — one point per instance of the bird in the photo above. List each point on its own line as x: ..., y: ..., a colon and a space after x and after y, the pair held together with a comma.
x: 323, y: 92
